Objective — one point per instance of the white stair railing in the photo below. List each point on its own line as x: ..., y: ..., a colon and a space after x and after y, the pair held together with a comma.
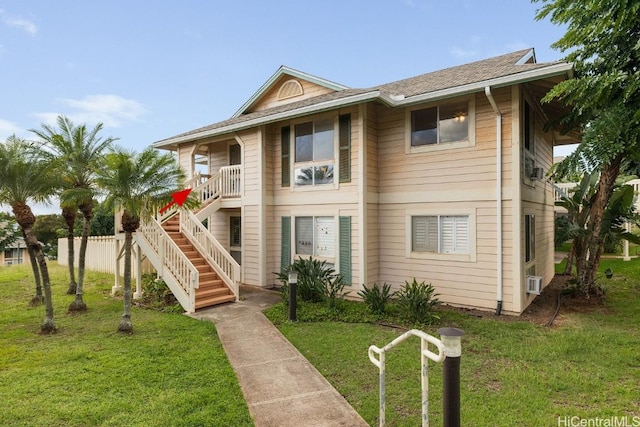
x: 170, y: 262
x: 216, y: 255
x: 425, y: 354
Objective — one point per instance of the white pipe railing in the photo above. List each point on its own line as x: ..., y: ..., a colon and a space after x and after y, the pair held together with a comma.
x: 171, y: 260
x: 216, y: 255
x: 425, y: 354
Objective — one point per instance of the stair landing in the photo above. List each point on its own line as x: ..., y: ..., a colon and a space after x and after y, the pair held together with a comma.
x: 211, y: 289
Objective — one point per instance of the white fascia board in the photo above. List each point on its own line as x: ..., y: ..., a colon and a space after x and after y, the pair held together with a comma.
x: 294, y: 73
x: 316, y: 108
x: 526, y: 76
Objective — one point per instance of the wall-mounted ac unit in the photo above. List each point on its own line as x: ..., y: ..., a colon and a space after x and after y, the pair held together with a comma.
x: 537, y: 174
x: 534, y: 284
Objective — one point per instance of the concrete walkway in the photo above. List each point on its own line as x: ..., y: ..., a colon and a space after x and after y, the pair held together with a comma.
x: 280, y: 386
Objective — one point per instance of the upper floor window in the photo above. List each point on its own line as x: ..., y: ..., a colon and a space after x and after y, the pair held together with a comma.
x: 314, y: 152
x: 440, y: 124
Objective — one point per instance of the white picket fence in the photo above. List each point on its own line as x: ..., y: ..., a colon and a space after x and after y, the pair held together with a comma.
x: 101, y: 255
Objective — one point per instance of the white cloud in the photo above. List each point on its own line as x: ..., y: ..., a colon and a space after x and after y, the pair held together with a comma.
x: 14, y: 21
x: 111, y: 110
x: 8, y: 128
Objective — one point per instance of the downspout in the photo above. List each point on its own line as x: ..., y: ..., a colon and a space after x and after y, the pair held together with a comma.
x: 487, y: 91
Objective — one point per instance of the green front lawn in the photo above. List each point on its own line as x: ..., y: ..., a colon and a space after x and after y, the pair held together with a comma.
x: 513, y: 372
x: 171, y: 371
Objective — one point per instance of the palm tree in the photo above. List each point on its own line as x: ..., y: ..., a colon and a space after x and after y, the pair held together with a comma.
x: 24, y: 178
x: 137, y: 184
x: 80, y: 154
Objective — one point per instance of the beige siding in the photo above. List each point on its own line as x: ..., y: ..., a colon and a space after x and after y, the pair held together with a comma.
x: 270, y: 99
x: 445, y: 181
x: 185, y: 159
x: 537, y: 199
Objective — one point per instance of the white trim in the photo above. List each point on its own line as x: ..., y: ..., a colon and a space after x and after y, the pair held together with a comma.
x: 362, y: 199
x: 262, y: 217
x: 512, y: 79
x: 516, y: 198
x: 294, y: 73
x: 527, y: 56
x: 523, y: 77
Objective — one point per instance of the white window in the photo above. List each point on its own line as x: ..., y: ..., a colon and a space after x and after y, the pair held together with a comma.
x: 315, y: 236
x: 440, y: 124
x: 314, y: 152
x: 440, y: 234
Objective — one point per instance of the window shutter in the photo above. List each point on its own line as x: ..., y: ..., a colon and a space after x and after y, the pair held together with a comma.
x: 285, y: 254
x: 285, y: 141
x: 344, y: 137
x: 425, y: 234
x: 455, y: 234
x: 345, y: 248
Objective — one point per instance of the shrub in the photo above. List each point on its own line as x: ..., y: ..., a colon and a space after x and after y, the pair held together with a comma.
x: 334, y: 290
x: 317, y: 281
x: 417, y: 301
x: 376, y: 297
x: 157, y: 294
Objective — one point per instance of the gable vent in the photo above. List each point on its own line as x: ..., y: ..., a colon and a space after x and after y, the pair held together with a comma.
x: 289, y: 89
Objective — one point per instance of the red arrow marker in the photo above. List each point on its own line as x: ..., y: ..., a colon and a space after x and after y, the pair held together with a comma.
x: 179, y: 197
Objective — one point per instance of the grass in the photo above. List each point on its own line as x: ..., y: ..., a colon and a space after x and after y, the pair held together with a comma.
x: 513, y: 372
x: 171, y: 371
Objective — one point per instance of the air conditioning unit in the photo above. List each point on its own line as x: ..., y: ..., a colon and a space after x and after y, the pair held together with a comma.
x: 537, y: 174
x: 534, y: 284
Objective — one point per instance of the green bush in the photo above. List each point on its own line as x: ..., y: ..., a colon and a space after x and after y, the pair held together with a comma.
x: 376, y: 297
x: 317, y: 282
x: 157, y: 294
x: 417, y: 301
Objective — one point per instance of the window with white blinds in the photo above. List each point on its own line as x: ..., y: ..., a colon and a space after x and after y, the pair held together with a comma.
x: 316, y: 236
x: 441, y: 234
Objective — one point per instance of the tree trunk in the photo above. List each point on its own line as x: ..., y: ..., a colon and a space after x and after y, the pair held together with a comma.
x: 570, y: 259
x: 78, y: 304
x: 125, y: 323
x: 595, y: 241
x: 26, y: 219
x: 38, y: 298
x: 69, y: 215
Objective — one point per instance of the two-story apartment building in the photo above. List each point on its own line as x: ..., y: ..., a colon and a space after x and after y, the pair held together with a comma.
x: 440, y: 177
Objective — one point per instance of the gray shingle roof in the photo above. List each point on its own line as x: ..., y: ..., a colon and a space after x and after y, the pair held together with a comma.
x: 475, y: 72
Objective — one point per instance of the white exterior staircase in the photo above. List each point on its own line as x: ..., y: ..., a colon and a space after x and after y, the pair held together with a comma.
x: 195, y: 266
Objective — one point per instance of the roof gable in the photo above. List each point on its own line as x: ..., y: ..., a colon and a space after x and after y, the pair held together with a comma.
x: 271, y: 93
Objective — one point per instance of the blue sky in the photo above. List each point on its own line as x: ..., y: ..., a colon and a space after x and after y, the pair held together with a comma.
x: 152, y: 69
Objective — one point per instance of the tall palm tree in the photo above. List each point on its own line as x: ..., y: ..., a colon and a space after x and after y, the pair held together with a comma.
x: 80, y: 153
x: 24, y: 177
x: 138, y: 184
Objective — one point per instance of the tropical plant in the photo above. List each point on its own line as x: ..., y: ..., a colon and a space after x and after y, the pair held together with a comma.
x: 136, y: 184
x: 417, y: 300
x: 601, y: 41
x: 80, y: 154
x: 26, y: 178
x: 376, y: 297
x: 334, y: 290
x: 9, y: 231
